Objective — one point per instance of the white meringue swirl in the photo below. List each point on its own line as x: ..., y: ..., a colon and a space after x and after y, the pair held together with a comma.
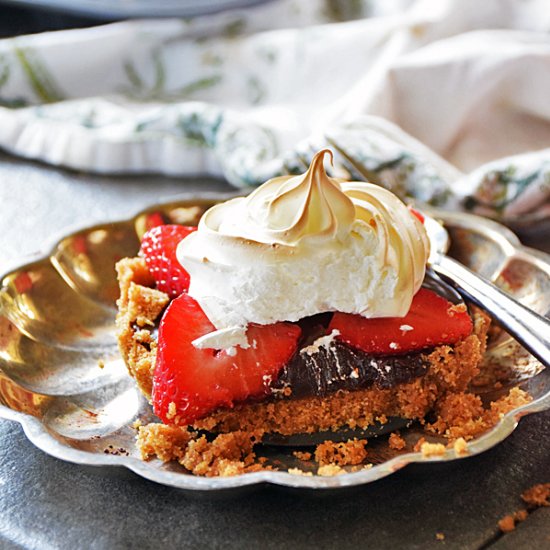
x: 301, y: 245
x: 287, y: 209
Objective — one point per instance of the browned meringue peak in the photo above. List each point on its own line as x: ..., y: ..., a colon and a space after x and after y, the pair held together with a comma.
x: 286, y: 209
x: 301, y: 245
x: 290, y: 208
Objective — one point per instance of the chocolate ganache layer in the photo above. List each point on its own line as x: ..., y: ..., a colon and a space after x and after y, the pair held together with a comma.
x: 337, y: 366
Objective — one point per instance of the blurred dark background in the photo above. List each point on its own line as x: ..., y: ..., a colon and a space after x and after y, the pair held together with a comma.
x: 33, y: 16
x: 17, y: 20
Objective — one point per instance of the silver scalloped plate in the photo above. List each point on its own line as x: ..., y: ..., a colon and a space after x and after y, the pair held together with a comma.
x: 62, y: 379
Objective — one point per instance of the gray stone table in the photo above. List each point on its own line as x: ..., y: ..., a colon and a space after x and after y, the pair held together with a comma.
x: 46, y: 503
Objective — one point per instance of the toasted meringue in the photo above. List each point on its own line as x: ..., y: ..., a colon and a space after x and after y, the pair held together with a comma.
x: 301, y: 245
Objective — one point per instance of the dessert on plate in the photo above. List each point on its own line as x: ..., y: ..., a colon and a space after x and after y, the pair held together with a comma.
x: 303, y: 307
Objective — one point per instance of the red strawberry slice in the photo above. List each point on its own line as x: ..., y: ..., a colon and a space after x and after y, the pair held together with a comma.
x: 198, y: 381
x: 154, y: 219
x: 158, y: 246
x: 416, y: 213
x: 431, y: 321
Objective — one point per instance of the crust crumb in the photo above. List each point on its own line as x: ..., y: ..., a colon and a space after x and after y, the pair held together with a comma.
x: 460, y: 447
x: 396, y: 442
x: 462, y: 415
x: 302, y: 455
x: 440, y: 536
x: 329, y: 470
x: 538, y: 495
x: 227, y: 455
x: 298, y: 472
x: 508, y: 523
x: 163, y: 441
x: 457, y: 308
x: 171, y: 414
x: 516, y: 398
x: 342, y: 454
x: 432, y: 449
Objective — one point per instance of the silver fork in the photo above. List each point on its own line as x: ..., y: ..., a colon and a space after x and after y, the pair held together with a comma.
x: 526, y: 326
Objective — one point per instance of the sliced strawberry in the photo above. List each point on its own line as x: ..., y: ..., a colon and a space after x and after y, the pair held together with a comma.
x: 431, y: 321
x: 418, y: 215
x: 158, y: 246
x: 199, y: 381
x: 154, y: 219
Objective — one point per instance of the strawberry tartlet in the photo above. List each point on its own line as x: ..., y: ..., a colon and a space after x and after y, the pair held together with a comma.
x: 304, y: 307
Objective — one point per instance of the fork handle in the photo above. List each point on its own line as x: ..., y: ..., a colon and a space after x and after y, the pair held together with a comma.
x: 527, y: 327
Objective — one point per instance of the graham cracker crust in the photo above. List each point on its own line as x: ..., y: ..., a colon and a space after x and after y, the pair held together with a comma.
x: 442, y: 391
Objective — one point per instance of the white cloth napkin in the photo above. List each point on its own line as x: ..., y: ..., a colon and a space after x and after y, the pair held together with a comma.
x: 249, y: 94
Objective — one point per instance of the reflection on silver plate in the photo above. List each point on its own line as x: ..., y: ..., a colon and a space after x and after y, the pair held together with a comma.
x: 62, y: 378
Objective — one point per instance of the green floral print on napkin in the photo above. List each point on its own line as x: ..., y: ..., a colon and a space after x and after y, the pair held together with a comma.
x: 512, y: 189
x: 39, y: 77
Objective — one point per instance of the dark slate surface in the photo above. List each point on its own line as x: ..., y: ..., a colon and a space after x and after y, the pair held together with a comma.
x: 46, y: 503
